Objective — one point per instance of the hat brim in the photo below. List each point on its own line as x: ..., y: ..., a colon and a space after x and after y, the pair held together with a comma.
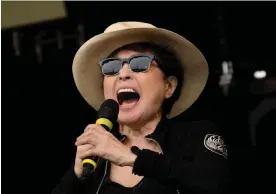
x: 89, y: 80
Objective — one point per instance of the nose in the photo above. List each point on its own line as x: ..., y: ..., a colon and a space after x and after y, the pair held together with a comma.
x: 125, y: 73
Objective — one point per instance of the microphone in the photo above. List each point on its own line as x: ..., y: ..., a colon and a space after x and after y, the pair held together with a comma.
x: 106, y: 116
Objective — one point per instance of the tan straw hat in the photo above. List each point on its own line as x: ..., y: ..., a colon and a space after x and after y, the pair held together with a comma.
x: 88, y: 76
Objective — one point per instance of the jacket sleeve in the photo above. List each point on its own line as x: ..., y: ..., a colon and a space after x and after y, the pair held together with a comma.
x: 70, y: 184
x: 204, y: 170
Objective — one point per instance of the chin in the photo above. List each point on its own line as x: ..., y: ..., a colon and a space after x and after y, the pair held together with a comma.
x: 128, y: 118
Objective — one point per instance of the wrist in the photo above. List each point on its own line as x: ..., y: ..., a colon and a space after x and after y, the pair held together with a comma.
x: 130, y: 159
x: 134, y: 152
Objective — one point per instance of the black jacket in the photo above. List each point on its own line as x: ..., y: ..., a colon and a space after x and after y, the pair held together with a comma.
x: 193, y: 161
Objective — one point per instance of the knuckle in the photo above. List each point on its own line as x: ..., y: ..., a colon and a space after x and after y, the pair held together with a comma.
x: 89, y: 127
x: 80, y: 149
x: 101, y: 128
x: 97, y: 128
x: 90, y: 141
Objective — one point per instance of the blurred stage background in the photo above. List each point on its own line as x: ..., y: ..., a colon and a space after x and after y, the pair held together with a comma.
x: 44, y: 112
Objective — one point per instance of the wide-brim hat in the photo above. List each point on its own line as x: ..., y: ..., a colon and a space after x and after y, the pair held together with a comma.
x: 89, y: 79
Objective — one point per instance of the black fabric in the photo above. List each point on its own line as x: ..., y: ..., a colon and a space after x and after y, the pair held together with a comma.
x: 109, y: 186
x: 186, y: 165
x: 115, y: 188
x: 144, y: 186
x: 135, y: 150
x: 144, y: 162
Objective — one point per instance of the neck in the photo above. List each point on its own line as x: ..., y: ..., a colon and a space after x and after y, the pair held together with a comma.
x: 139, y: 130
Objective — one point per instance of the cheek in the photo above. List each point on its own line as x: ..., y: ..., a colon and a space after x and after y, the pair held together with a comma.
x: 154, y: 86
x: 108, y: 87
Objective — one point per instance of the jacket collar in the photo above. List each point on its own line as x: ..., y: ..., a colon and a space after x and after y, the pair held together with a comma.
x: 158, y: 134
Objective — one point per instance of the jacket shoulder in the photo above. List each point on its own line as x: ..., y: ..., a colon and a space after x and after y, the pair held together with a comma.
x: 196, y: 127
x: 202, y: 134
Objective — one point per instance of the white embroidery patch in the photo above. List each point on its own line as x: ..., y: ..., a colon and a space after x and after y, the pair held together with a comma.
x: 215, y: 143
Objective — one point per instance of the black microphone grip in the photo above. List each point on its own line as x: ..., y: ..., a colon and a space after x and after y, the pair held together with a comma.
x: 106, y: 117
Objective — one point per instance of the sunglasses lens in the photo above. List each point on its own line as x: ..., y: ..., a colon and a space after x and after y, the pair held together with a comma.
x: 111, y: 67
x: 140, y: 64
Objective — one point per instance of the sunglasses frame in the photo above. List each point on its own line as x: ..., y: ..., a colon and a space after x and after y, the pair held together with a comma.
x: 127, y: 60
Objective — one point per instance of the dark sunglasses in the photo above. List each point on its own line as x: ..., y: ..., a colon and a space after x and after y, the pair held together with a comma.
x: 137, y: 63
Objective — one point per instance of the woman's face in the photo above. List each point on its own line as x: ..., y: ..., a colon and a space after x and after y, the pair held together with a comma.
x: 150, y: 85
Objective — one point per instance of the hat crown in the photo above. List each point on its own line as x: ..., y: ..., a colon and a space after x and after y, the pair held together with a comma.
x: 127, y: 25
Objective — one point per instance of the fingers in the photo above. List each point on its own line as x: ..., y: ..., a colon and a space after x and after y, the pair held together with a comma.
x: 91, y: 134
x: 95, y: 139
x: 89, y: 138
x: 88, y: 153
x: 84, y: 151
x: 83, y: 148
x: 96, y: 127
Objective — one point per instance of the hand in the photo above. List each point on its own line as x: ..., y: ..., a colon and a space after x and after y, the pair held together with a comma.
x: 96, y: 141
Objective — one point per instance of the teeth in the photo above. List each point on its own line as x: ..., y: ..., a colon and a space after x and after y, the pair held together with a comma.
x: 126, y: 90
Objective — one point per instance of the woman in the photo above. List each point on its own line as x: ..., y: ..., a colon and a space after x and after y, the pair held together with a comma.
x: 154, y: 75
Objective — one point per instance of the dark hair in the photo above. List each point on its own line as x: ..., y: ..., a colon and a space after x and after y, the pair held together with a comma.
x: 168, y: 63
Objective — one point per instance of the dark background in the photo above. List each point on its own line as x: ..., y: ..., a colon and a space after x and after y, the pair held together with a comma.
x: 43, y: 113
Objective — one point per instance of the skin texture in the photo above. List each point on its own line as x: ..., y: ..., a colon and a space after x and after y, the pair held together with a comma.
x: 135, y: 120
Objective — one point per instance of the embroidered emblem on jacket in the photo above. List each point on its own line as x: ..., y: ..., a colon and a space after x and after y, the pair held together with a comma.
x: 216, y: 144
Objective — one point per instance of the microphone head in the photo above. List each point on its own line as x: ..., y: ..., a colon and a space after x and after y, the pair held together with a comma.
x: 109, y: 110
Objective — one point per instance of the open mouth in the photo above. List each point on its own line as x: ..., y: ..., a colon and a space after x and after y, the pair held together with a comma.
x: 127, y: 96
